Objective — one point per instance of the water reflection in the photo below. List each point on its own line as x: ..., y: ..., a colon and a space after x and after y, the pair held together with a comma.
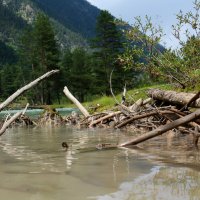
x: 129, y: 189
x: 42, y: 170
x: 70, y: 156
x: 160, y: 183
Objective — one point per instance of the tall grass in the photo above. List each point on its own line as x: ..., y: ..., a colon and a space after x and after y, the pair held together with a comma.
x: 107, y: 102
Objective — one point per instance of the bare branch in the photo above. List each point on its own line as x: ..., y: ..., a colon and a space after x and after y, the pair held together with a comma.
x: 8, y: 122
x: 25, y: 88
x: 76, y: 102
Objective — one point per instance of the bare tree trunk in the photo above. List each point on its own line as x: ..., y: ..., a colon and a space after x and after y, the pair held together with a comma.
x: 177, y: 98
x: 76, y: 102
x: 25, y: 88
x: 162, y: 129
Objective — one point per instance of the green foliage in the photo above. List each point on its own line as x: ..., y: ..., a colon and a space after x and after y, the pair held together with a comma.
x: 77, y: 73
x: 7, y: 54
x: 40, y: 54
x: 142, y: 46
x: 45, y: 43
x: 180, y: 66
x: 9, y: 80
x: 107, y: 46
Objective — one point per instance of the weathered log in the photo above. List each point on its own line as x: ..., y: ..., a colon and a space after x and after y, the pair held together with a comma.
x: 104, y: 118
x: 145, y: 115
x: 162, y: 129
x: 25, y: 88
x: 193, y: 99
x: 136, y: 106
x: 146, y: 101
x: 76, y: 102
x: 172, y: 97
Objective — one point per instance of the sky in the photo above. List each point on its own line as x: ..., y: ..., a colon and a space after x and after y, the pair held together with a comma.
x: 163, y: 12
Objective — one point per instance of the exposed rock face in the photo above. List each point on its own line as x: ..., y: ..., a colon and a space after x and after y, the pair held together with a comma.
x: 27, y: 12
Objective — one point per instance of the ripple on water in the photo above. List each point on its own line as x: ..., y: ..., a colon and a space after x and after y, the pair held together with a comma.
x: 36, y: 161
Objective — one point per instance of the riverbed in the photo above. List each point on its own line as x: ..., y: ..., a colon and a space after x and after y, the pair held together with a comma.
x: 33, y: 165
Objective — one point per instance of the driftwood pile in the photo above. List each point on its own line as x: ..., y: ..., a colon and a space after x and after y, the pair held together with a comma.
x: 161, y: 112
x: 49, y: 117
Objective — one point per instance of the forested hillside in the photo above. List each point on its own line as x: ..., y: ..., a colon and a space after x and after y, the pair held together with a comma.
x: 73, y: 21
x: 69, y: 24
x: 11, y: 25
x: 7, y: 54
x: 77, y: 15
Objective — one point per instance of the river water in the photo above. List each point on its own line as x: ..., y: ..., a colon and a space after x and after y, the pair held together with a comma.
x: 35, y: 113
x: 34, y: 166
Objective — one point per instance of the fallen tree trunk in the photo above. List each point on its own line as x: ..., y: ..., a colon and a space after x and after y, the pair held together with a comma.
x: 162, y: 129
x: 25, y: 88
x: 176, y: 98
x: 76, y: 102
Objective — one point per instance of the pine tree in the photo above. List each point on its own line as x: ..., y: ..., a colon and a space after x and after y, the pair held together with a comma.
x: 77, y: 71
x: 107, y: 46
x: 45, y: 43
x: 40, y: 51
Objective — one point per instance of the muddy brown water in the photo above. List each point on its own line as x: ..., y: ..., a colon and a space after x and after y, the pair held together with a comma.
x: 33, y: 166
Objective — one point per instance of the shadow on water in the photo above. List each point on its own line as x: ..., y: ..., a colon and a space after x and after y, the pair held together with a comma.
x: 42, y: 169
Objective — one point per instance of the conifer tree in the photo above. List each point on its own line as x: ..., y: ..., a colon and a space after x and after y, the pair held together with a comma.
x: 40, y: 50
x: 107, y: 46
x: 77, y: 73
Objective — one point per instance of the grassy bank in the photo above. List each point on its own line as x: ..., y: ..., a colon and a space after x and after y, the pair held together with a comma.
x: 133, y: 95
x: 107, y: 102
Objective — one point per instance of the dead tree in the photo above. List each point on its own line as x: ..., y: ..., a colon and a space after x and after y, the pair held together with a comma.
x: 76, y: 102
x: 25, y: 88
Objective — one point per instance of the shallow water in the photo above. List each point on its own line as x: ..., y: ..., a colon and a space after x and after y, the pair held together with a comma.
x: 34, y: 166
x: 35, y: 113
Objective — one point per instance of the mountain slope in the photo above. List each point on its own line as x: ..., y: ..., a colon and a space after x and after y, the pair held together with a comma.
x: 7, y: 54
x: 78, y: 15
x: 11, y: 25
x: 73, y: 20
